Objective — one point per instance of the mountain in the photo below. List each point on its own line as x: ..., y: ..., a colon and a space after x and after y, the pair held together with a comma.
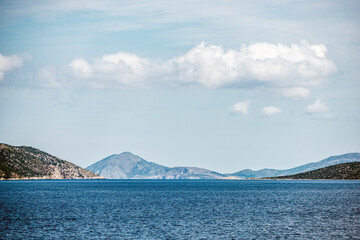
x: 126, y: 165
x: 30, y: 163
x: 129, y: 166
x: 263, y: 173
x: 339, y: 171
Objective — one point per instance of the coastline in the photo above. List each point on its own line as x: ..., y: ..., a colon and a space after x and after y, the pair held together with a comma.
x: 215, y: 179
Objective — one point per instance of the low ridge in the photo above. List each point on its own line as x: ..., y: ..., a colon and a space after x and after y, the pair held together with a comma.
x: 263, y: 173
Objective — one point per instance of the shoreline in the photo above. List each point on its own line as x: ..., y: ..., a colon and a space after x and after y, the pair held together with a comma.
x: 221, y: 179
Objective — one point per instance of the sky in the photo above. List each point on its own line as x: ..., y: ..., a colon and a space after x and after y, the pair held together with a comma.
x: 223, y: 85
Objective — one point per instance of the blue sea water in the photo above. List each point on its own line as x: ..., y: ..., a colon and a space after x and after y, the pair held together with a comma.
x: 179, y: 209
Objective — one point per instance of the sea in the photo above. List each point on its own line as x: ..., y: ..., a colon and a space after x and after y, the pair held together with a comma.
x: 180, y: 209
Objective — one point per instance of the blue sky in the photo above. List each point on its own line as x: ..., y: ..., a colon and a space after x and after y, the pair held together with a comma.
x: 224, y: 85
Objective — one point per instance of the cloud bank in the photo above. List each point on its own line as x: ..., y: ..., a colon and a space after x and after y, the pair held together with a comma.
x: 287, y: 66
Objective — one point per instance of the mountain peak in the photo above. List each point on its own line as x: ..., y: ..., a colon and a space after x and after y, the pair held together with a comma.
x: 127, y: 153
x: 124, y: 156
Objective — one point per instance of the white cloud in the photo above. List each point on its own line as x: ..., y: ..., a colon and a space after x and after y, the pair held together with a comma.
x: 124, y: 68
x: 270, y: 110
x: 113, y: 70
x: 211, y: 66
x: 317, y: 107
x: 240, y: 107
x: 295, y: 92
x: 81, y: 67
x: 294, y: 65
x: 9, y: 63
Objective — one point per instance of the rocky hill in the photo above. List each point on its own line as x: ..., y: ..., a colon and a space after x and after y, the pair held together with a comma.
x: 248, y: 173
x: 30, y: 163
x: 339, y: 171
x: 129, y: 166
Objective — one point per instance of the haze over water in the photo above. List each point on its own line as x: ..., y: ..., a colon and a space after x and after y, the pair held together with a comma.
x: 185, y: 209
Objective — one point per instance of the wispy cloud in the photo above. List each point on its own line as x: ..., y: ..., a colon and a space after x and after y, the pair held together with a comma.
x: 317, y: 107
x: 296, y: 92
x: 48, y: 78
x: 8, y: 63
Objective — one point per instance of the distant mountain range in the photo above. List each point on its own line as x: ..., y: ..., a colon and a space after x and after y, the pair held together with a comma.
x: 129, y: 166
x: 345, y: 158
x: 30, y: 163
x: 339, y: 171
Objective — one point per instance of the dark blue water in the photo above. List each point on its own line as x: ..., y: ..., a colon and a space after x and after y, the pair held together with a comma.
x: 146, y: 209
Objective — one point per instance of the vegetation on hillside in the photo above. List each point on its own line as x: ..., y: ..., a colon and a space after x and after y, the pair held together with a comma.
x: 339, y: 171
